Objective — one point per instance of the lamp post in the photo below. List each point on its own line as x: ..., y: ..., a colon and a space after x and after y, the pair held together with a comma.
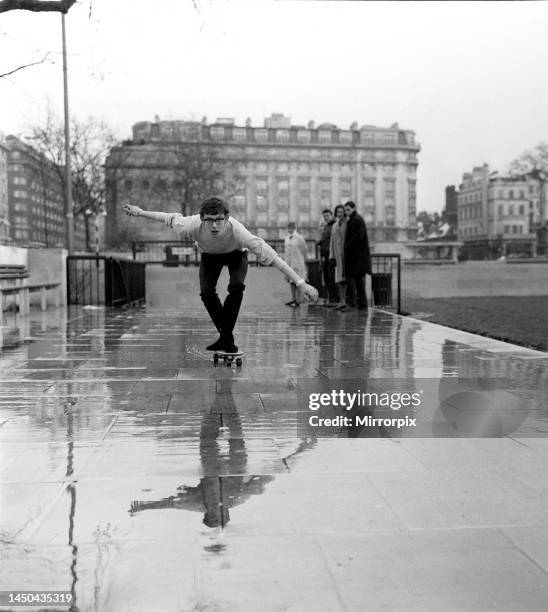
x: 68, y: 174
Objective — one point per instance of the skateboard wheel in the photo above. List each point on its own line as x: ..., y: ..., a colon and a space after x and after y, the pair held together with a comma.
x: 239, y: 362
x: 215, y: 359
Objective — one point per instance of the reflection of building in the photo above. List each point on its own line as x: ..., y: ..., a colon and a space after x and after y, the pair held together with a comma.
x: 289, y: 172
x: 4, y: 211
x: 36, y: 199
x: 496, y: 213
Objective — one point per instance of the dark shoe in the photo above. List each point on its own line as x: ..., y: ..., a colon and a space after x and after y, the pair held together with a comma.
x: 340, y: 307
x: 290, y: 303
x: 230, y: 347
x: 216, y: 346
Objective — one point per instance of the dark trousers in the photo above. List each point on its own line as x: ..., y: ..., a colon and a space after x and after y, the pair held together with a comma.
x: 224, y: 316
x: 328, y: 270
x: 355, y: 291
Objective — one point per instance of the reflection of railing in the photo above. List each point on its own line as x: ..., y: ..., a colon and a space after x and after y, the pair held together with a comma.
x: 99, y: 280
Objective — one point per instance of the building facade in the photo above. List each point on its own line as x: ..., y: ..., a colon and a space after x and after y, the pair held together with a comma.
x: 4, y: 209
x: 285, y: 173
x: 36, y: 200
x: 496, y: 215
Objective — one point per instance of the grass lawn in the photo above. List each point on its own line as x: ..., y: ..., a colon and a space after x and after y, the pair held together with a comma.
x: 516, y: 319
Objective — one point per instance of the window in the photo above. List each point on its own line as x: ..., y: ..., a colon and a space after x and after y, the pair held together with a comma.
x: 145, y: 185
x: 303, y: 135
x: 324, y: 136
x: 345, y: 137
x: 282, y: 135
x: 367, y: 137
x: 128, y: 184
x: 20, y: 193
x: 521, y: 209
x: 304, y: 203
x: 283, y: 203
x: 217, y: 133
x: 238, y: 133
x: 261, y: 185
x: 511, y: 210
x: 239, y: 203
x: 19, y: 180
x: 389, y: 188
x: 282, y: 167
x: 283, y: 185
x: 501, y: 210
x: 262, y: 202
x: 511, y: 195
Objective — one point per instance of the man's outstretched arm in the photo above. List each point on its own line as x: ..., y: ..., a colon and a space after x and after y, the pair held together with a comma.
x: 136, y: 211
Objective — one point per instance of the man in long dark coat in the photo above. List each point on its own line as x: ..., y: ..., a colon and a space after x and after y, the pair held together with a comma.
x: 357, y: 258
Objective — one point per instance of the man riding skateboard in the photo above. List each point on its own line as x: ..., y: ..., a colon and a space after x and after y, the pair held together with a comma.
x: 223, y: 242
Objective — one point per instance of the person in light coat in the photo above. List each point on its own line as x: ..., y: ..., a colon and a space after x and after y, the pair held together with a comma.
x: 336, y: 253
x: 295, y: 252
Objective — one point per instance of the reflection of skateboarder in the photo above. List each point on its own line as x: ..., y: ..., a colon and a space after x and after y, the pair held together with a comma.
x: 223, y: 242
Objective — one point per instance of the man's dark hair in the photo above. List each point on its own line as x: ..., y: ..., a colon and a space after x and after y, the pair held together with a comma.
x: 214, y: 206
x: 350, y: 203
x: 291, y: 225
x: 327, y: 210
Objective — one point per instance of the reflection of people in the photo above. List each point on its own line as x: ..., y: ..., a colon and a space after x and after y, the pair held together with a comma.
x: 295, y: 253
x: 224, y: 242
x: 327, y: 265
x: 336, y: 253
x: 357, y: 259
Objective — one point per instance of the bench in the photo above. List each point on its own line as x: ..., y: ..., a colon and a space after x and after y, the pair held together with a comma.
x: 12, y: 279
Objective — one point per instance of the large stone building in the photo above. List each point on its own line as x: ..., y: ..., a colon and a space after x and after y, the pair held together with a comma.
x: 4, y: 210
x: 36, y: 200
x: 496, y: 214
x: 279, y: 172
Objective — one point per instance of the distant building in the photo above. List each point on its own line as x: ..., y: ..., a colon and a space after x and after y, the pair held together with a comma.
x: 4, y: 210
x: 36, y: 200
x: 450, y: 213
x: 494, y: 215
x: 288, y: 172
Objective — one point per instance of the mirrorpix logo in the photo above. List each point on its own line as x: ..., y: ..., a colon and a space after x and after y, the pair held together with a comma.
x: 344, y: 401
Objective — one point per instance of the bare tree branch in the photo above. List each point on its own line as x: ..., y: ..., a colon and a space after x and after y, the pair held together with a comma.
x: 37, y: 6
x: 5, y: 74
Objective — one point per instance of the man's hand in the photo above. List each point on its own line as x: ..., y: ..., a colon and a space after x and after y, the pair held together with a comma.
x: 309, y: 292
x: 133, y: 211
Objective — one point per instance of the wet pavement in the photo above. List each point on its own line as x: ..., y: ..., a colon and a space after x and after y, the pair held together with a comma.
x: 138, y: 476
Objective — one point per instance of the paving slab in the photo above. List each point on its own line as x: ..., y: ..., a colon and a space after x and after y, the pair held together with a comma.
x: 138, y: 476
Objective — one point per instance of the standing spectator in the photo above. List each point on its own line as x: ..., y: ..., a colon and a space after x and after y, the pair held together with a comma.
x: 336, y: 253
x: 327, y: 266
x: 295, y: 252
x: 357, y: 259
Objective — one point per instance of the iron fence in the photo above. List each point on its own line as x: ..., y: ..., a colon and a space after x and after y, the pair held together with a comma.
x: 386, y: 268
x: 186, y: 253
x: 104, y: 281
x: 386, y: 280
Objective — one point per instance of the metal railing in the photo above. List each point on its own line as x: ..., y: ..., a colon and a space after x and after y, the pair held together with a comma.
x: 186, y: 253
x: 104, y: 281
x: 386, y: 280
x: 386, y: 267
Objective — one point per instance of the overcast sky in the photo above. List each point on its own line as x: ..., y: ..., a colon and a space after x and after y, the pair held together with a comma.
x: 469, y: 77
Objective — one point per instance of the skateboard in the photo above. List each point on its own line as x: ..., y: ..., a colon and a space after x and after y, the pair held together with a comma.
x: 228, y: 358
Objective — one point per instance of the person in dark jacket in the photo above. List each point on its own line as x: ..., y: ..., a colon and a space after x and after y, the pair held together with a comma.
x: 357, y: 258
x: 328, y: 269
